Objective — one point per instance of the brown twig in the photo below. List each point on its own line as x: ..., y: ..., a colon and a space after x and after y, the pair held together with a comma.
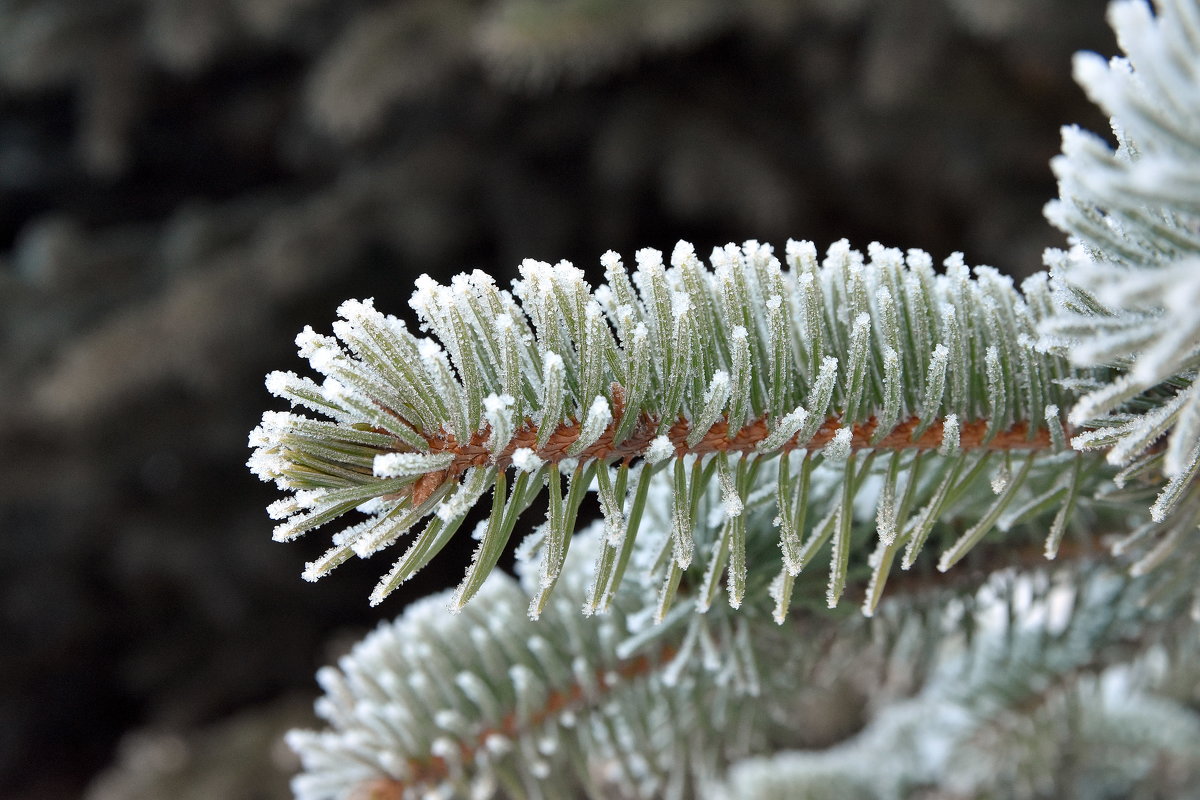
x: 973, y: 434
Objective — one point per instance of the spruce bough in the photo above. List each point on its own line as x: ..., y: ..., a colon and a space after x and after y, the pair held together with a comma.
x: 861, y: 365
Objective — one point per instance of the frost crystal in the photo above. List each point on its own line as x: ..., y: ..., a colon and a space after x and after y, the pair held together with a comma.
x: 950, y: 436
x: 526, y: 460
x: 399, y: 465
x: 497, y: 410
x: 659, y: 450
x: 838, y: 448
x: 784, y: 430
x: 599, y: 416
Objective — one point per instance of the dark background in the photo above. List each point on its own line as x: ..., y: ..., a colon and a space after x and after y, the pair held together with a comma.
x: 185, y: 183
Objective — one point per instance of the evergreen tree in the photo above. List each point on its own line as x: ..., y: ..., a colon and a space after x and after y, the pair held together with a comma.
x: 745, y: 423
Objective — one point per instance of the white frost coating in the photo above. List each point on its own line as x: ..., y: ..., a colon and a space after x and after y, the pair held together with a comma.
x: 722, y: 259
x: 1185, y: 437
x: 648, y: 258
x: 309, y: 498
x: 375, y: 505
x: 995, y: 377
x: 683, y: 253
x: 935, y: 382
x: 605, y: 297
x: 919, y: 259
x: 538, y: 276
x: 309, y: 341
x: 731, y: 502
x: 1000, y: 479
x: 357, y: 312
x: 1174, y: 490
x: 278, y: 382
x: 819, y: 397
x: 1100, y: 438
x: 626, y: 317
x: 464, y: 498
x: 268, y: 467
x: 460, y: 285
x: 659, y: 450
x: 283, y: 508
x: 496, y: 403
x: 504, y: 322
x: 718, y: 388
x: 1054, y: 425
x: 838, y: 448
x: 525, y: 460
x: 610, y: 260
x: 497, y: 410
x: 680, y: 304
x: 614, y: 515
x: 334, y: 390
x: 1096, y: 404
x: 837, y: 253
x: 598, y: 417
x: 950, y: 436
x: 892, y: 383
x: 428, y: 349
x: 715, y: 398
x: 784, y: 430
x: 553, y: 395
x: 801, y: 254
x: 592, y: 311
x: 886, y: 523
x: 740, y: 332
x: 774, y: 302
x: 273, y: 425
x: 400, y: 465
x: 325, y: 358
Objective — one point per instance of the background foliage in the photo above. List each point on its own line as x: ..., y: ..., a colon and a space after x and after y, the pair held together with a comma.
x: 183, y: 184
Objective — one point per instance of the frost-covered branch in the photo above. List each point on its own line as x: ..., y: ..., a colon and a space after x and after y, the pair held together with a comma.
x: 490, y: 702
x: 861, y: 364
x: 1129, y: 289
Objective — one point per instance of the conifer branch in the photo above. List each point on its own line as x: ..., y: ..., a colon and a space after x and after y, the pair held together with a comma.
x: 391, y: 680
x: 852, y: 356
x: 1129, y: 287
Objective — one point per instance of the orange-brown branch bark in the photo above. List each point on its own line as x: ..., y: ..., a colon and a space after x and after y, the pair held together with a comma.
x: 474, y: 453
x: 973, y: 434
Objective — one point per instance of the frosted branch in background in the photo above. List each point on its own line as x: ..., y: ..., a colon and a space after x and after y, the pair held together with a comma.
x: 1129, y: 289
